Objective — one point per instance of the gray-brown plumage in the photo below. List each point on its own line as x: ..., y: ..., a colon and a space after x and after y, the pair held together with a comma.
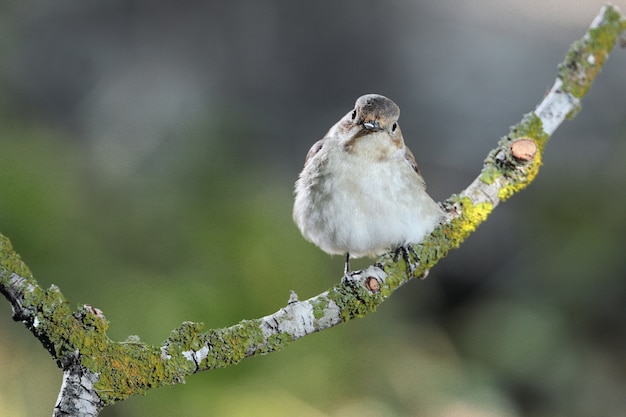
x: 361, y: 192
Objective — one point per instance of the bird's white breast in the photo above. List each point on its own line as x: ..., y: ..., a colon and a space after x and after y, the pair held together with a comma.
x: 362, y: 202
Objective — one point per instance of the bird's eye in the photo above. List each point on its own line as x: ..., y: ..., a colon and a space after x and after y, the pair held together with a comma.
x: 394, y: 126
x: 353, y: 115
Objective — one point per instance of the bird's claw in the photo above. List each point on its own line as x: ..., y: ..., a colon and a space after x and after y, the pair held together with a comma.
x: 406, y: 251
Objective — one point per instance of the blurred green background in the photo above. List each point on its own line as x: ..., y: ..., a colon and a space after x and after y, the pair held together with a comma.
x: 148, y: 152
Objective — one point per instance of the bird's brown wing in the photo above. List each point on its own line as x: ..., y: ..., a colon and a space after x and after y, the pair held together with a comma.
x: 317, y: 146
x: 410, y: 158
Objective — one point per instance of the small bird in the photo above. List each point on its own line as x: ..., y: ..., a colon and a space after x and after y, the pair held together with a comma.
x: 360, y: 192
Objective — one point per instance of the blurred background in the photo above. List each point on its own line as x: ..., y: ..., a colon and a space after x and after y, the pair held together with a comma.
x: 148, y: 151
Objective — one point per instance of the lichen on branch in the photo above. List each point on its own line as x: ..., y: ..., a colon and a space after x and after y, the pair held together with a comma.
x: 99, y: 371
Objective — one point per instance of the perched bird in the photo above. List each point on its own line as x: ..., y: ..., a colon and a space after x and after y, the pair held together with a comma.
x: 360, y: 192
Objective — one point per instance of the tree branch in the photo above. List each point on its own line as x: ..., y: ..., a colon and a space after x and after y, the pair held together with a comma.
x: 99, y: 371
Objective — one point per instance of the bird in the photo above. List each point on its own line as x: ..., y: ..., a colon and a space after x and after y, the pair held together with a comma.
x: 361, y: 192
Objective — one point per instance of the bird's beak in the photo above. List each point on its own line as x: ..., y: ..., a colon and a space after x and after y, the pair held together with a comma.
x: 372, y: 125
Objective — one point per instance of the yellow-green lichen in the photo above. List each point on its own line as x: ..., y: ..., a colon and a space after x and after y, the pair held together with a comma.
x: 432, y: 249
x: 188, y: 336
x: 502, y: 163
x: 585, y: 57
x: 276, y: 342
x: 232, y: 344
x: 490, y: 173
x: 354, y: 300
x: 229, y: 346
x: 471, y: 215
x: 530, y: 127
x: 10, y: 262
x: 247, y: 336
x: 55, y: 325
x: 129, y: 369
x: 395, y: 278
x: 395, y: 267
x: 574, y: 112
x: 521, y: 179
x: 319, y: 305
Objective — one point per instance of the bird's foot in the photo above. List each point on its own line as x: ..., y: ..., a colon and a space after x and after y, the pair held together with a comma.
x: 346, y: 269
x: 406, y: 251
